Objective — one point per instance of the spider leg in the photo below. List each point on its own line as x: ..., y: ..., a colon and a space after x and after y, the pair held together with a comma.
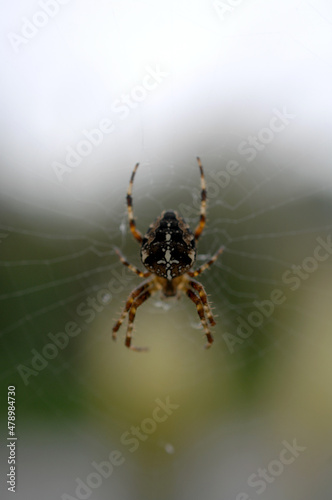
x: 202, y: 219
x: 137, y: 234
x: 134, y: 294
x: 200, y: 310
x: 203, y: 296
x: 133, y: 268
x: 208, y: 264
x: 131, y: 318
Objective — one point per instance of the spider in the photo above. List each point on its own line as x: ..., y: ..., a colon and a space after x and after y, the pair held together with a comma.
x: 168, y: 252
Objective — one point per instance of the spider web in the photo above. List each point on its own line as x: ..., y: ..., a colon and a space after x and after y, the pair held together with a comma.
x: 267, y: 220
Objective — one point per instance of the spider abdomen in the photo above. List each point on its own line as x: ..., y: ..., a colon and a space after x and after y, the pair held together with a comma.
x: 168, y: 248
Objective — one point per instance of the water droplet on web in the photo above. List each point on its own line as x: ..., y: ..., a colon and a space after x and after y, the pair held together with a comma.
x: 195, y: 325
x: 122, y: 228
x: 106, y: 298
x: 162, y: 304
x: 169, y: 448
x: 203, y: 257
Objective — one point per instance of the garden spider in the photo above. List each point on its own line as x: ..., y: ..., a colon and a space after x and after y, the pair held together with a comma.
x: 168, y: 251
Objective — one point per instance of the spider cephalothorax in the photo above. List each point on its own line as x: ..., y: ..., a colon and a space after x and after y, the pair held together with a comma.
x: 168, y: 251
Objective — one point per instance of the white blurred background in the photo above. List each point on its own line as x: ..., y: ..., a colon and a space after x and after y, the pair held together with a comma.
x: 224, y: 70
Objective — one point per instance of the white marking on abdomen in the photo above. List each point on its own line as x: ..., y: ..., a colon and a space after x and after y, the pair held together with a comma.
x: 144, y: 255
x: 191, y: 255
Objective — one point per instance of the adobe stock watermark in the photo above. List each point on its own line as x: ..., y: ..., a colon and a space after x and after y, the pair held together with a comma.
x: 256, y: 143
x: 216, y: 181
x: 293, y: 279
x: 249, y: 149
x: 131, y: 440
x: 130, y: 101
x: 122, y: 106
x: 88, y: 310
x: 225, y: 7
x: 31, y: 27
x: 75, y: 155
x: 261, y: 478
